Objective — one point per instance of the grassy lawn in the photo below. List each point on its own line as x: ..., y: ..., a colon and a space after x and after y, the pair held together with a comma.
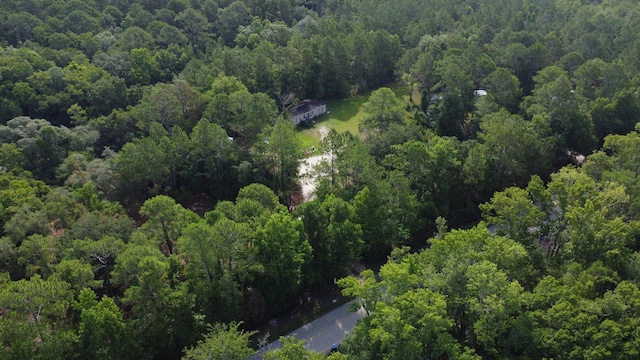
x: 344, y: 115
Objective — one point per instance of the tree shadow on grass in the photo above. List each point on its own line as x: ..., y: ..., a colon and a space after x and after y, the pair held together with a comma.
x: 345, y: 110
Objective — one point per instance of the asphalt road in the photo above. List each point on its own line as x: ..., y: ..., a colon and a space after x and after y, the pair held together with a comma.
x: 324, y: 331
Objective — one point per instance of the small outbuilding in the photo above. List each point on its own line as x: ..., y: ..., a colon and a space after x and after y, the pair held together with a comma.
x: 480, y: 92
x: 306, y: 110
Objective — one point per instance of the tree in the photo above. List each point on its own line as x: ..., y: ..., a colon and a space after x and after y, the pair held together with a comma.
x: 169, y: 34
x: 386, y: 209
x: 96, y: 225
x: 598, y: 230
x: 514, y: 151
x: 414, y: 326
x: 171, y: 105
x: 382, y: 110
x: 86, y: 197
x: 596, y: 78
x: 161, y: 308
x: 145, y: 164
x: 331, y: 53
x: 243, y: 114
x: 147, y: 296
x: 508, y: 255
x: 248, y: 115
x: 77, y: 171
x: 209, y: 158
x: 233, y: 246
x: 91, y: 88
x: 524, y: 60
x: 423, y: 69
x: 614, y: 116
x: 44, y: 146
x: 102, y: 332
x: 197, y: 245
x: 291, y: 349
x: 442, y: 301
x: 25, y: 96
x: 26, y: 222
x: 230, y: 18
x: 515, y: 215
x: 365, y: 288
x: 333, y: 234
x: 215, y: 265
x: 494, y: 300
x: 283, y: 250
x: 222, y: 342
x: 620, y: 166
x: 504, y: 89
x: 451, y: 115
x: 22, y: 25
x: 18, y: 190
x: 554, y: 96
x: 260, y: 193
x: 279, y: 154
x: 195, y: 26
x: 77, y: 274
x: 433, y: 169
x: 38, y: 308
x: 39, y: 254
x: 80, y: 22
x: 387, y: 49
x: 8, y: 258
x: 100, y: 254
x: 167, y: 218
x: 10, y: 157
x: 144, y: 69
x: 331, y: 145
x: 569, y: 306
x: 349, y: 167
x: 134, y: 37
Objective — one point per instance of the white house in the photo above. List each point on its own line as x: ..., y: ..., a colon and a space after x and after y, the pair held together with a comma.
x: 307, y: 110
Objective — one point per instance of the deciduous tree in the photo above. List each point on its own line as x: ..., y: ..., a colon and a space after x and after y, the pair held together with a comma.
x: 283, y: 250
x: 222, y: 342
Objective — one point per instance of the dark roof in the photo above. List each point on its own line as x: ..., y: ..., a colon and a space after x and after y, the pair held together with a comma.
x: 305, y: 106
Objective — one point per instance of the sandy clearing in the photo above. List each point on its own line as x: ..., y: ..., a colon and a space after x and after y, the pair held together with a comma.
x: 306, y: 171
x: 307, y: 175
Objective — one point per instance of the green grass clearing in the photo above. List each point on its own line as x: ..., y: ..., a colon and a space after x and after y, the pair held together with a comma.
x: 344, y: 115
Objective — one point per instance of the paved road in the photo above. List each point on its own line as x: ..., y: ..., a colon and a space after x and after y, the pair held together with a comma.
x: 325, y: 331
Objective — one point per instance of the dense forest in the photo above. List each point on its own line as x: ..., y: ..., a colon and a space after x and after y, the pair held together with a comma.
x: 149, y: 171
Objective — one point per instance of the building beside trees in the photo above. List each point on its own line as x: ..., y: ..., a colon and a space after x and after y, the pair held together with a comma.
x: 306, y: 110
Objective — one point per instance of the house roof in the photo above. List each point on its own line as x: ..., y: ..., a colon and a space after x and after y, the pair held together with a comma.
x: 305, y: 106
